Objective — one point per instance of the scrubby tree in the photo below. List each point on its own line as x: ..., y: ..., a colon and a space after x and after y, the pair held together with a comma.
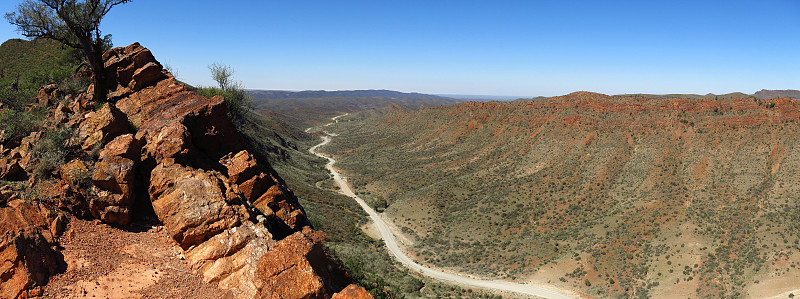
x: 222, y: 74
x: 236, y: 98
x: 76, y: 23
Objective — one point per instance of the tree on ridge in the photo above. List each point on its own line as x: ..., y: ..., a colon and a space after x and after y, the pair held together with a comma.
x: 75, y: 23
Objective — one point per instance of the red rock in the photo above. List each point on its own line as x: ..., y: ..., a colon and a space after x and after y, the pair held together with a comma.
x: 298, y: 267
x: 114, y: 176
x: 191, y: 203
x: 169, y: 143
x: 23, y: 151
x: 124, y: 146
x: 27, y: 247
x: 47, y: 94
x: 182, y: 141
x: 146, y: 75
x: 256, y: 186
x: 102, y: 126
x: 241, y: 166
x: 352, y: 292
x: 61, y: 113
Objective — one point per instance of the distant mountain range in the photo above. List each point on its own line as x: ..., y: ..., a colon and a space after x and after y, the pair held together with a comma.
x: 313, y: 107
x: 285, y: 94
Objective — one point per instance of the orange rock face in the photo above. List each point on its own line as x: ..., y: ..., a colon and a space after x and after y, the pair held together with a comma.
x: 297, y: 267
x: 27, y: 246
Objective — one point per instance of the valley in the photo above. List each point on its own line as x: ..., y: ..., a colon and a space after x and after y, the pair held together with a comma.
x: 394, y: 248
x: 611, y: 196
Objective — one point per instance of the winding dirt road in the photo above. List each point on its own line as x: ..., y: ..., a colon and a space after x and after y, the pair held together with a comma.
x: 391, y: 243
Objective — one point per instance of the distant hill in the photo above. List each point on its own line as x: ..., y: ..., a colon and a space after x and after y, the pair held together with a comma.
x: 309, y: 108
x: 284, y: 94
x: 473, y: 97
x: 732, y: 95
x: 771, y: 94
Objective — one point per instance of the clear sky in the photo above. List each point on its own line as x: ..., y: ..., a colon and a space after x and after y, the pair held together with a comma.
x: 519, y: 48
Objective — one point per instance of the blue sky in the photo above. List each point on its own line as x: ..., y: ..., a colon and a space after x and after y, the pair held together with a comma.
x: 519, y: 48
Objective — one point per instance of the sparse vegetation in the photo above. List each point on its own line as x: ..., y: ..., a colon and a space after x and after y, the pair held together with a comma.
x: 236, y: 98
x: 675, y: 194
x: 51, y: 151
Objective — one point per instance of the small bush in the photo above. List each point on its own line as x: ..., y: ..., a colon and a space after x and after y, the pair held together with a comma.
x: 236, y: 99
x: 75, y: 84
x: 51, y: 151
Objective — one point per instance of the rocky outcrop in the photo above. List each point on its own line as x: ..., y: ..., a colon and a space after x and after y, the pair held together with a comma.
x: 27, y: 246
x: 48, y: 94
x: 238, y: 223
x: 158, y: 143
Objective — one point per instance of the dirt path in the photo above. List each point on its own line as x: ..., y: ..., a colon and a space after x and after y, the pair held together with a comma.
x: 545, y: 291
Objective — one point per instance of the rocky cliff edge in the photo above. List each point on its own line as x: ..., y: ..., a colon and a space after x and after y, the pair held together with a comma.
x: 158, y: 147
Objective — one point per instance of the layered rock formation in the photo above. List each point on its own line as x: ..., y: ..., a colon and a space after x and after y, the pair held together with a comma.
x: 157, y: 143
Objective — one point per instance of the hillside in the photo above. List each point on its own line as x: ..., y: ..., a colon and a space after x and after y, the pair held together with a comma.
x: 615, y: 196
x: 27, y: 65
x: 312, y: 108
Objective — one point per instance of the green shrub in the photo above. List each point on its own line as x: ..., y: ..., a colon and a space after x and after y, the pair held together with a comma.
x: 51, y: 151
x: 74, y: 84
x: 236, y: 99
x: 19, y: 123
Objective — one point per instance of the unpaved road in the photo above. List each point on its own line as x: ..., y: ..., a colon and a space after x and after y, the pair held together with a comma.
x: 460, y: 280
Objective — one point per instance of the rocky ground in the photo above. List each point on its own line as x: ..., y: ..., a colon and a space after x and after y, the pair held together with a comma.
x: 141, y: 261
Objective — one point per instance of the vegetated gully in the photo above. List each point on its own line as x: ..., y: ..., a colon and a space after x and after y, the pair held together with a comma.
x: 545, y: 291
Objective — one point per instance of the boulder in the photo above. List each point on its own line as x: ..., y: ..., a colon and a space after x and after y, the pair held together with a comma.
x: 62, y: 113
x: 78, y: 106
x: 352, y: 292
x: 169, y: 143
x: 102, y: 126
x: 241, y: 166
x: 146, y: 75
x: 114, y: 177
x: 230, y: 258
x: 191, y: 203
x: 73, y: 172
x: 23, y: 152
x: 47, y: 94
x: 298, y: 267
